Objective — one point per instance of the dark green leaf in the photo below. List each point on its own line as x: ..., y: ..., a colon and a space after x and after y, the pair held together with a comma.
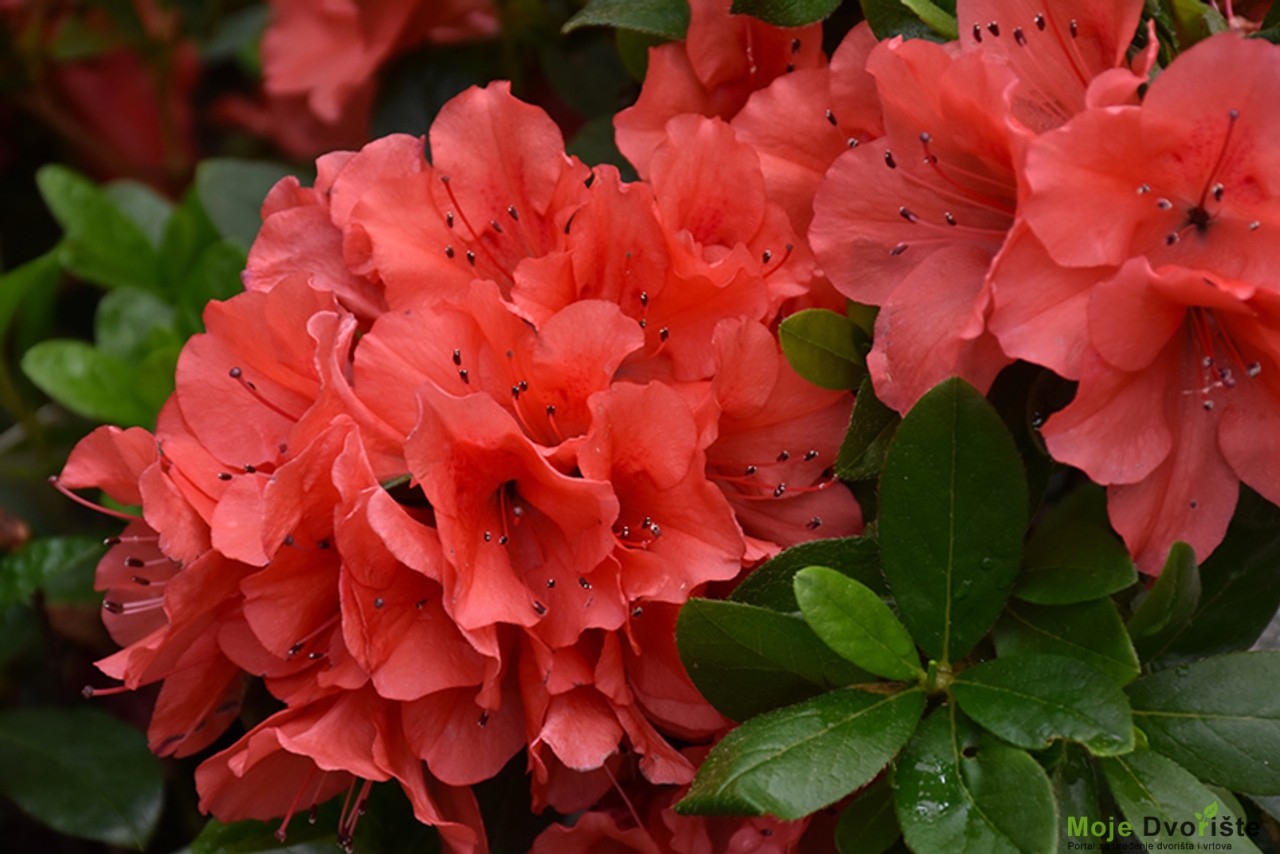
x: 953, y: 509
x: 633, y: 48
x: 1169, y: 604
x: 232, y: 191
x: 35, y: 564
x: 215, y: 276
x: 39, y: 274
x: 1157, y: 796
x: 824, y: 347
x: 87, y: 381
x: 746, y: 660
x: 236, y: 32
x: 252, y: 837
x: 772, y: 585
x: 890, y: 18
x: 187, y: 234
x: 130, y: 323
x: 101, y: 244
x: 871, y: 427
x: 793, y: 761
x: 1068, y: 563
x: 1091, y: 632
x: 958, y: 789
x: 154, y: 378
x: 1240, y: 593
x: 868, y: 825
x: 18, y: 628
x: 1075, y: 788
x: 666, y: 18
x: 852, y: 620
x: 148, y: 210
x: 594, y: 145
x: 786, y: 13
x: 1219, y: 718
x: 1031, y: 700
x: 81, y: 772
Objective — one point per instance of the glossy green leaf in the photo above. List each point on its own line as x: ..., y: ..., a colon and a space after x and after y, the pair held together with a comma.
x: 81, y: 772
x: 215, y: 275
x: 772, y: 584
x: 825, y: 348
x: 1032, y: 700
x: 940, y: 20
x: 187, y: 234
x: 146, y: 208
x: 793, y: 761
x: 1091, y: 632
x: 232, y: 191
x: 1219, y: 718
x: 1169, y: 604
x: 1075, y: 788
x: 35, y: 564
x: 786, y: 13
x: 868, y: 825
x: 890, y: 18
x: 130, y: 323
x: 101, y: 244
x: 866, y: 442
x: 1240, y: 592
x: 1069, y: 563
x: 252, y: 837
x: 953, y: 509
x: 87, y: 381
x: 1158, y: 797
x: 957, y: 788
x: 666, y: 18
x: 852, y: 620
x: 746, y: 660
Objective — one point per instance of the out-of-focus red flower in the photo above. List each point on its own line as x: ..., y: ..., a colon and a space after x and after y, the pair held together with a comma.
x: 126, y: 111
x: 914, y: 222
x: 1146, y: 273
x: 320, y: 59
x: 723, y: 59
x: 444, y: 474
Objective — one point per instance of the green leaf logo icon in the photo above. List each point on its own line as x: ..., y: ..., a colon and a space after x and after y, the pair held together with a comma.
x: 1207, y: 819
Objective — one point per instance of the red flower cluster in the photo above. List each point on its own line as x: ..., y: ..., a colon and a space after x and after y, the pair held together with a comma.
x: 443, y: 475
x: 1025, y: 203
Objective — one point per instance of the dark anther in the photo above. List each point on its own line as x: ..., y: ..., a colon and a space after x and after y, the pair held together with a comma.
x: 908, y: 215
x: 448, y: 251
x: 511, y: 210
x: 765, y: 256
x: 949, y: 218
x: 898, y: 250
x: 779, y: 490
x: 644, y: 299
x: 551, y: 582
x: 795, y: 45
x: 888, y: 159
x: 814, y: 523
x: 1075, y: 30
x: 323, y: 544
x: 448, y: 219
x: 134, y: 562
x: 502, y: 541
x: 637, y: 611
x: 140, y: 581
x: 993, y: 28
x: 487, y: 536
x: 235, y: 373
x: 584, y: 584
x: 1019, y: 37
x: 831, y: 117
x: 288, y: 540
x: 464, y: 376
x: 483, y: 719
x: 1040, y: 23
x: 222, y: 475
x: 471, y: 258
x: 664, y: 333
x: 977, y: 32
x: 248, y: 469
x: 379, y: 602
x: 540, y: 608
x: 495, y: 225
x: 751, y: 470
x: 784, y: 456
x: 457, y: 357
x: 810, y: 454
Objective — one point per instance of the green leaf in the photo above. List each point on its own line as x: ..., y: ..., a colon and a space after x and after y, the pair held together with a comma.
x: 1169, y: 604
x: 1031, y: 700
x: 1091, y: 632
x: 939, y: 20
x: 871, y: 427
x: 594, y: 144
x: 215, y: 276
x: 868, y: 825
x: 786, y: 13
x: 889, y: 18
x: 35, y: 564
x: 232, y: 191
x: 1075, y: 788
x: 958, y: 789
x: 747, y: 660
x: 87, y: 381
x: 793, y: 761
x: 39, y: 274
x: 18, y: 628
x: 252, y: 837
x: 1068, y: 563
x: 1219, y: 718
x: 852, y: 620
x: 186, y: 235
x: 953, y: 509
x: 148, y: 210
x: 101, y: 244
x: 130, y: 323
x: 666, y: 18
x: 772, y: 584
x: 1239, y: 596
x: 1157, y: 796
x: 825, y: 348
x: 81, y: 772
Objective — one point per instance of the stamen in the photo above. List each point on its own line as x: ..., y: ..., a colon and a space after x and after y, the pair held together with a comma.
x: 53, y: 480
x: 831, y: 118
x: 238, y: 375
